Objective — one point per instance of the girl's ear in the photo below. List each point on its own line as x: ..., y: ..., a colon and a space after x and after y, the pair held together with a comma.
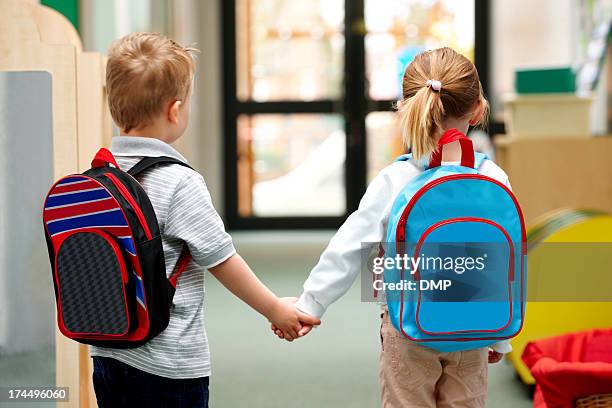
x: 173, y: 112
x: 478, y: 113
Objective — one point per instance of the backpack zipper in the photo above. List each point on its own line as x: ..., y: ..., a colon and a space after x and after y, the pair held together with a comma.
x: 401, y: 225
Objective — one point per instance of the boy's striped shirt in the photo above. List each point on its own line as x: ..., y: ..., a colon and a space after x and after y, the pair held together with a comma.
x: 185, y: 214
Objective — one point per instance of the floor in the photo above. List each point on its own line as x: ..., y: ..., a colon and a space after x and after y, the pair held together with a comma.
x: 334, y: 366
x: 28, y: 369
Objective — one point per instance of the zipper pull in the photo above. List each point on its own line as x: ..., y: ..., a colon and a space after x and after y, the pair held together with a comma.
x: 401, y: 229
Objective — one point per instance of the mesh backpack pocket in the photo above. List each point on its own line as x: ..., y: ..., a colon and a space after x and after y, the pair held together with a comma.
x: 94, y: 285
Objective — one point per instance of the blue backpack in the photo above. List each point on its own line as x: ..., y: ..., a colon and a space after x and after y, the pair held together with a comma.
x: 456, y: 239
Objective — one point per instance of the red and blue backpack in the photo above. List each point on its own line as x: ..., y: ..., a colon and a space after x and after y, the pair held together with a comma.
x: 107, y: 259
x: 464, y: 286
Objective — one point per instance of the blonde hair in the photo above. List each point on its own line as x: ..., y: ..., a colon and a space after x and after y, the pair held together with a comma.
x: 144, y: 72
x: 425, y: 105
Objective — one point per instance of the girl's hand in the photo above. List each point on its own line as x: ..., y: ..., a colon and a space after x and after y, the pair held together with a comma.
x: 494, y: 356
x: 306, y: 328
x: 288, y: 321
x: 235, y: 275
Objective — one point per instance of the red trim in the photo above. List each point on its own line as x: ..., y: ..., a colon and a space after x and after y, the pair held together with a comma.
x: 404, y: 217
x: 466, y: 219
x: 76, y: 187
x: 126, y: 194
x: 114, y: 231
x: 510, y: 273
x: 401, y: 237
x: 124, y: 278
x: 103, y: 158
x: 181, y: 265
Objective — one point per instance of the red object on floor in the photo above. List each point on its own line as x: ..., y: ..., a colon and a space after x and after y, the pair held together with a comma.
x: 570, y: 367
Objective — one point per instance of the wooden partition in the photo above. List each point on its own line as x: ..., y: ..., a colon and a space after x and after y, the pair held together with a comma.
x: 551, y: 173
x: 36, y: 38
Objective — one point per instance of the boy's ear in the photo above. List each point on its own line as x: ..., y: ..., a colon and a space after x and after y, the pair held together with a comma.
x: 173, y: 112
x: 478, y: 113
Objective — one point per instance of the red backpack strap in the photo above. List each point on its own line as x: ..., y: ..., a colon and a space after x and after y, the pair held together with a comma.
x: 103, y: 158
x: 181, y: 265
x: 450, y: 136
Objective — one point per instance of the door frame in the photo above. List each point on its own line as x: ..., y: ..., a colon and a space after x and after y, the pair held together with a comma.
x: 354, y: 106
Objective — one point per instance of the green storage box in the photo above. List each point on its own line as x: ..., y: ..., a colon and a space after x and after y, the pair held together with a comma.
x: 545, y: 80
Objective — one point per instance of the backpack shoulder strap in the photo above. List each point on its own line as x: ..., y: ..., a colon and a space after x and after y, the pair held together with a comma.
x: 479, y: 158
x: 146, y: 164
x: 404, y: 157
x: 419, y: 164
x: 149, y: 162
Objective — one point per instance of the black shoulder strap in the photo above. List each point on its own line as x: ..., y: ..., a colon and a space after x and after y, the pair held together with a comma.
x: 145, y: 164
x: 149, y: 162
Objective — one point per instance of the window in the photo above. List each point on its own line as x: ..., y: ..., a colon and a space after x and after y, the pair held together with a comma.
x: 309, y: 89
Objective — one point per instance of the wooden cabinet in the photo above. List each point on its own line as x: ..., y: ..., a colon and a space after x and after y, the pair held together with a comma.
x: 547, y: 174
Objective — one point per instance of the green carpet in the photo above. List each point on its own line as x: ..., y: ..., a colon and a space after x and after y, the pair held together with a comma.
x: 335, y: 366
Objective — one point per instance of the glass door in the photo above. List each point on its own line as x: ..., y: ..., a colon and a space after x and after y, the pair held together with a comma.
x: 309, y: 93
x: 285, y: 132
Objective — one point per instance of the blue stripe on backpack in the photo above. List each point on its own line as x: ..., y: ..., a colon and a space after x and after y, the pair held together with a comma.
x: 465, y: 234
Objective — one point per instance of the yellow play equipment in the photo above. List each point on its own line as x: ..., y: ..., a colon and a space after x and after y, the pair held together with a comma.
x: 554, y: 270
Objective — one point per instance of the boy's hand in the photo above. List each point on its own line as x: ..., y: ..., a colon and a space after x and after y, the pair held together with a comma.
x: 306, y: 328
x: 494, y: 356
x: 288, y: 322
x: 237, y: 277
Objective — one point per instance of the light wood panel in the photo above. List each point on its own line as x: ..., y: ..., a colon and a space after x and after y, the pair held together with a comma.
x: 547, y: 174
x: 35, y: 38
x: 94, y: 122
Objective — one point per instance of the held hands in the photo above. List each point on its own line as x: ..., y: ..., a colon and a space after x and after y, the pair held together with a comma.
x: 288, y: 323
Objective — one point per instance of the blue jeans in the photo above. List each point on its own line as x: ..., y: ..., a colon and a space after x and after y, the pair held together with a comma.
x: 120, y: 385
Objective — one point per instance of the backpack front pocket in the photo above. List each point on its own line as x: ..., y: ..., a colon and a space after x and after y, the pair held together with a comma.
x: 93, y: 285
x: 464, y: 281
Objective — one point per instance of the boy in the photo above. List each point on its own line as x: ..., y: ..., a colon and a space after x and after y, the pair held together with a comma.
x: 149, y: 82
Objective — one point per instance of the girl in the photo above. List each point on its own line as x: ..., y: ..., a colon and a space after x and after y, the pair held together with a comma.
x: 441, y: 91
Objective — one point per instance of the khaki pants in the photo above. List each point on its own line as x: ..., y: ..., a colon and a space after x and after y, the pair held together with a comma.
x: 416, y: 376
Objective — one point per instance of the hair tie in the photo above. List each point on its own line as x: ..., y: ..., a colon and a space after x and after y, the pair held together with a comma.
x: 434, y: 84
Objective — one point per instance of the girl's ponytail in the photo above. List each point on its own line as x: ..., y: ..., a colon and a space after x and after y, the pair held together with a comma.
x: 437, y: 84
x: 421, y: 121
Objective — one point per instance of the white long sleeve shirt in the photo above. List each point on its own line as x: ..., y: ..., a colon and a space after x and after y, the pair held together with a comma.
x: 340, y: 263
